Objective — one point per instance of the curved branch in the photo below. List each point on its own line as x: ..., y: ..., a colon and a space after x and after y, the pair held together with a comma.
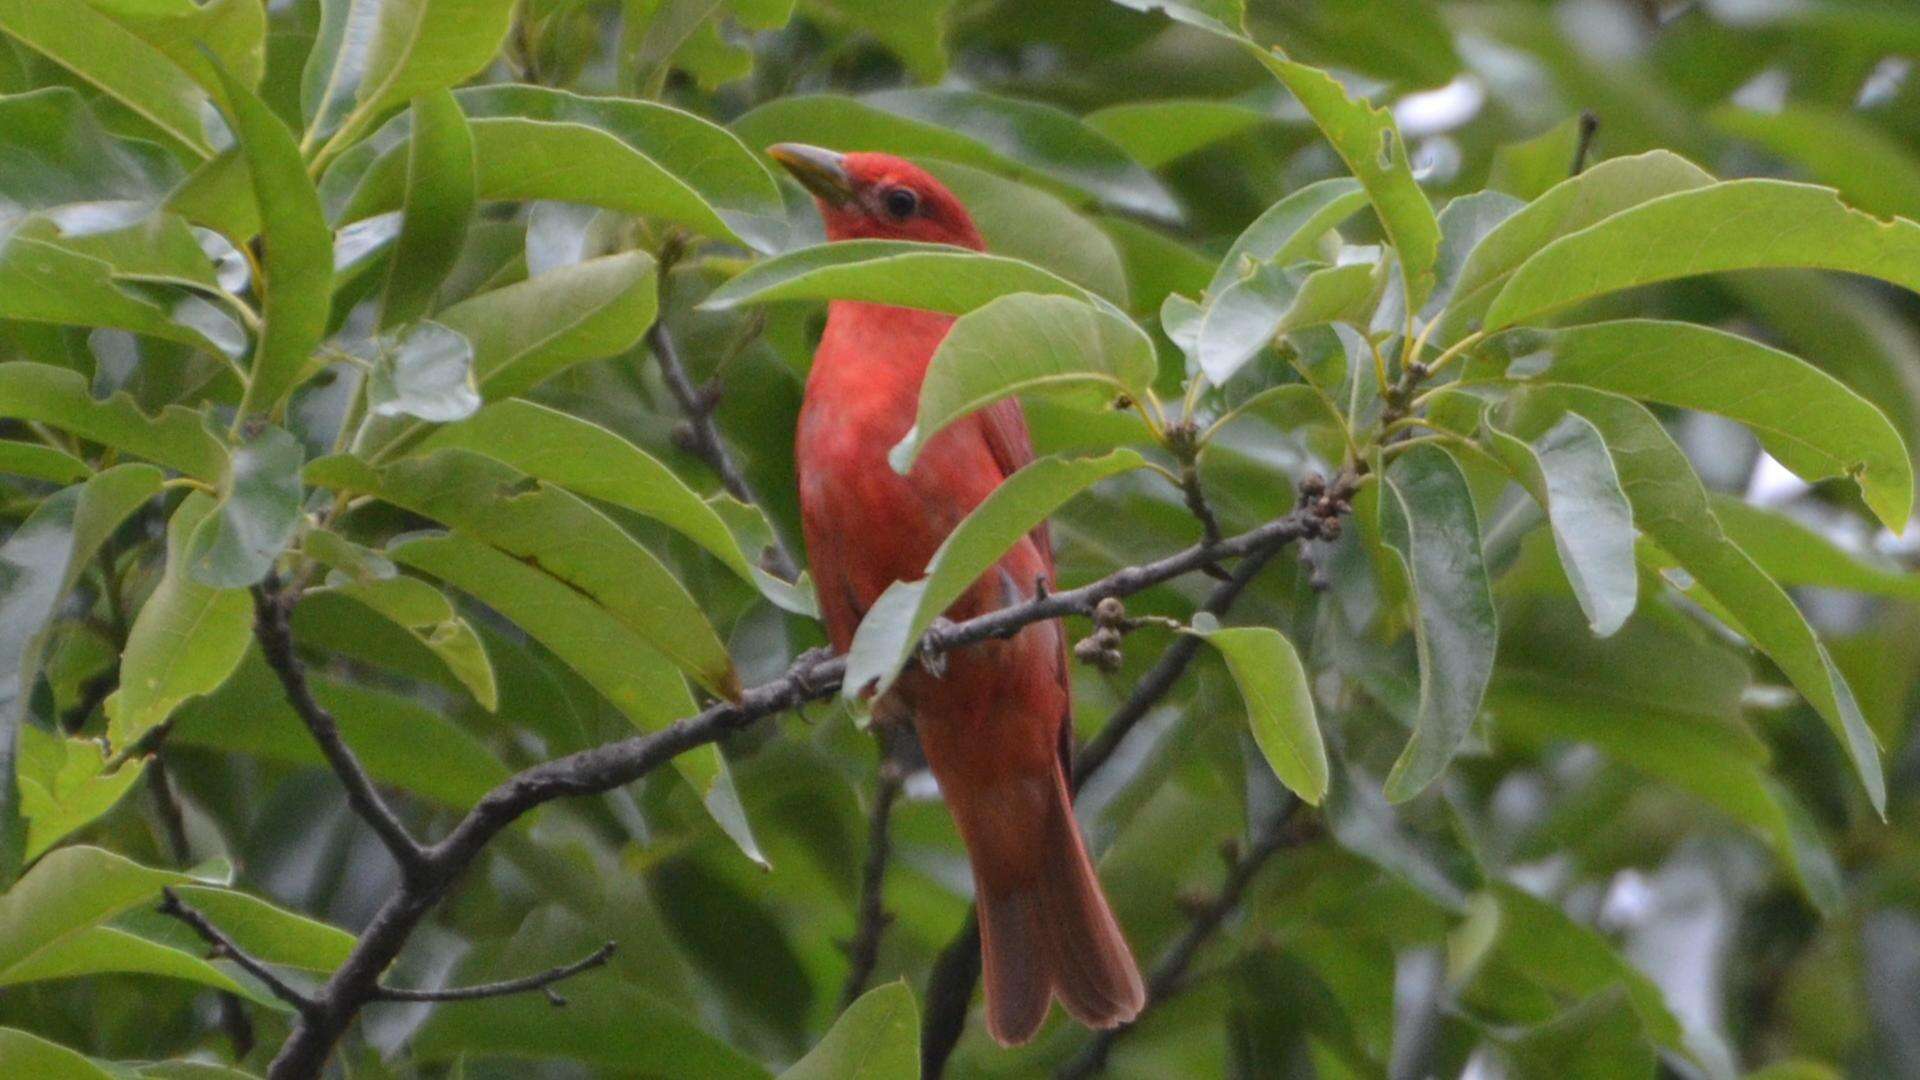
x: 539, y: 981
x: 226, y: 947
x: 863, y: 952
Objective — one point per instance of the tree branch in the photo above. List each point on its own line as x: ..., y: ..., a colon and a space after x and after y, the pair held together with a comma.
x: 224, y: 946
x: 272, y: 608
x: 1284, y: 830
x: 864, y: 950
x: 602, y: 768
x: 540, y: 981
x: 703, y: 437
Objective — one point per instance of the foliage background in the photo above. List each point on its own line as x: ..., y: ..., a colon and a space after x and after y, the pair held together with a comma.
x: 1399, y: 939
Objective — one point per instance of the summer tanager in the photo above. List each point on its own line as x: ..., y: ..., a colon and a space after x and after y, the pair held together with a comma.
x: 996, y: 724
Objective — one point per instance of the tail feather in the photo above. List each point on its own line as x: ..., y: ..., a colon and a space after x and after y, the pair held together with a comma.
x: 1049, y: 933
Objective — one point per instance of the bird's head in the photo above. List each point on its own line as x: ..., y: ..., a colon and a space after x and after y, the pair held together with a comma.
x: 878, y: 196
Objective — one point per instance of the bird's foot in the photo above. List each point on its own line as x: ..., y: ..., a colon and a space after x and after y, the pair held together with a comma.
x: 934, y: 661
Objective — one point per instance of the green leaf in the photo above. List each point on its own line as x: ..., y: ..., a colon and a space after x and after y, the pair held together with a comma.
x: 1427, y: 519
x: 1367, y: 140
x: 402, y: 743
x: 1249, y: 313
x: 1032, y: 142
x: 624, y: 667
x: 67, y: 894
x: 298, y: 262
x: 1781, y: 225
x: 115, y: 59
x: 381, y: 53
x: 39, y: 563
x: 258, y: 512
x: 904, y: 273
x: 54, y: 151
x: 1289, y: 231
x: 424, y: 612
x: 526, y: 332
x: 1670, y: 507
x: 557, y: 532
x: 590, y: 460
x: 186, y: 640
x: 48, y: 275
x: 1279, y: 700
x: 1020, y: 343
x: 64, y: 785
x: 425, y: 372
x: 876, y: 1038
x: 273, y: 934
x: 103, y: 950
x: 1026, y: 223
x: 440, y: 196
x: 1813, y: 423
x: 915, y: 30
x: 1837, y: 147
x: 640, y: 157
x: 232, y: 33
x: 1570, y: 206
x: 1223, y: 17
x: 1569, y: 472
x: 1794, y: 555
x: 887, y: 635
x: 1156, y: 133
x: 1464, y: 223
x: 41, y: 462
x: 1598, y: 1039
x: 176, y: 438
x: 24, y: 1054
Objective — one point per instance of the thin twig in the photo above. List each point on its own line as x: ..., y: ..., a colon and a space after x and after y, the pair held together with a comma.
x: 541, y: 981
x: 272, y: 609
x: 863, y: 952
x: 703, y: 437
x: 225, y: 947
x: 602, y: 768
x: 1282, y: 832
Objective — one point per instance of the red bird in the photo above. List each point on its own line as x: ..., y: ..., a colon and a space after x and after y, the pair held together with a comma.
x: 997, y: 725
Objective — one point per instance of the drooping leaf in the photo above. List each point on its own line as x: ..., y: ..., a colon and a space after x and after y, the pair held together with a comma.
x: 1252, y: 311
x: 1279, y: 701
x: 1671, y: 508
x: 640, y: 681
x: 66, y: 894
x: 1427, y: 518
x: 887, y: 635
x: 528, y: 331
x: 640, y: 157
x: 440, y: 196
x: 904, y: 273
x: 176, y: 438
x: 104, y: 950
x: 1028, y: 140
x: 425, y: 613
x: 298, y: 262
x: 26, y: 1054
x: 877, y: 1038
x: 1287, y: 231
x: 1809, y: 420
x: 561, y: 535
x: 1026, y: 342
x: 184, y: 643
x: 255, y: 519
x: 51, y: 276
x: 589, y: 460
x: 1569, y: 472
x: 1782, y: 225
x: 1366, y: 139
x: 1794, y: 554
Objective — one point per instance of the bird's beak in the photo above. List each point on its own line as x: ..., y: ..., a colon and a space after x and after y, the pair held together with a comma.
x: 822, y: 172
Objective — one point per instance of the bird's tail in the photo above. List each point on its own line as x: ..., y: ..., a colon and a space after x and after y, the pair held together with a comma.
x: 1045, y: 928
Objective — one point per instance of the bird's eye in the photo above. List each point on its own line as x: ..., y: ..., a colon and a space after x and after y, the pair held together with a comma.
x: 901, y: 202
